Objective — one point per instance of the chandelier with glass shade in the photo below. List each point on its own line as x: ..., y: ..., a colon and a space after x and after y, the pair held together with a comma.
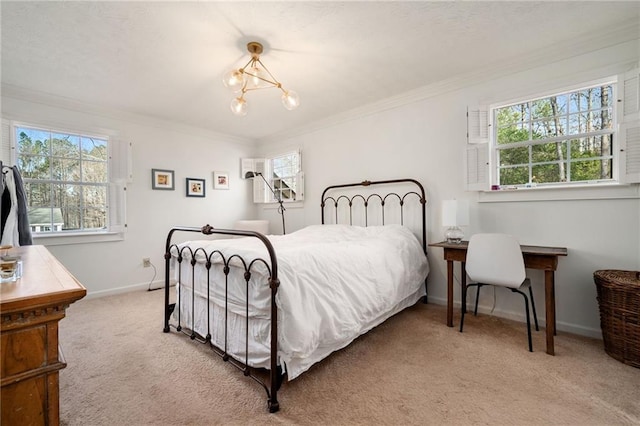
x: 254, y: 76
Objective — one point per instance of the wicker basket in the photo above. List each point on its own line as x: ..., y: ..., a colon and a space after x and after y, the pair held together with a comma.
x: 619, y: 300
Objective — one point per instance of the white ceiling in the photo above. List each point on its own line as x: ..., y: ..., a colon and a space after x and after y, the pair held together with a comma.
x: 166, y: 59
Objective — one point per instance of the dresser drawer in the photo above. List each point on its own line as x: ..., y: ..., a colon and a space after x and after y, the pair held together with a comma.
x: 23, y: 350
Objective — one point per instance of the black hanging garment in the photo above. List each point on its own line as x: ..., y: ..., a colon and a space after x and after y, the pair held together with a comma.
x: 14, y: 217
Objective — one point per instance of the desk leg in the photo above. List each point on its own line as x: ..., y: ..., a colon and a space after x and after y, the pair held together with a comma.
x: 550, y: 305
x: 449, y: 293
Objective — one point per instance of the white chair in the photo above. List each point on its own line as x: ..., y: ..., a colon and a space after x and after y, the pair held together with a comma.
x: 496, y: 259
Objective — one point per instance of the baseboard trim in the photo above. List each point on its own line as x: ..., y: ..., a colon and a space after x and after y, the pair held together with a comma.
x: 515, y: 316
x: 154, y: 285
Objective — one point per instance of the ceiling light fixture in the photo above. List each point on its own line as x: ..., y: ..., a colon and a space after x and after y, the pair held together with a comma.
x: 253, y: 76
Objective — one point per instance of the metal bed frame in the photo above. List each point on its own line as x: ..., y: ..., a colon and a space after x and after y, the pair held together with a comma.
x: 275, y: 377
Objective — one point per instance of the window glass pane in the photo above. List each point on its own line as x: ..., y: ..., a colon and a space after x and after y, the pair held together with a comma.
x: 67, y: 146
x: 37, y: 194
x: 94, y: 149
x: 578, y: 123
x: 595, y: 146
x: 512, y: 156
x: 287, y: 194
x: 549, y: 107
x: 591, y: 170
x: 514, y: 176
x: 71, y: 219
x: 549, y: 152
x: 549, y: 128
x: 65, y: 196
x: 94, y: 171
x: 94, y: 196
x: 33, y: 141
x: 41, y: 217
x: 66, y: 170
x: 34, y: 167
x: 513, y: 133
x: 513, y: 114
x: 94, y: 218
x: 576, y: 103
x: 513, y: 124
x: 546, y: 173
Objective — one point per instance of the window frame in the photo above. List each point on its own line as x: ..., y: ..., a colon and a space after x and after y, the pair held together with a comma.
x: 270, y: 170
x: 262, y: 194
x: 478, y: 161
x: 117, y: 175
x: 494, y: 148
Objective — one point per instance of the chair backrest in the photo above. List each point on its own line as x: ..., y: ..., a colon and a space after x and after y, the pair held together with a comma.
x: 495, y: 259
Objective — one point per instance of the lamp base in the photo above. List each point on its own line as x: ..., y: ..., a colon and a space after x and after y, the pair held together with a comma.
x: 454, y: 235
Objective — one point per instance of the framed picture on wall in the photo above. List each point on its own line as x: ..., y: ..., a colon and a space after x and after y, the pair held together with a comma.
x: 162, y: 179
x: 195, y: 187
x: 220, y: 180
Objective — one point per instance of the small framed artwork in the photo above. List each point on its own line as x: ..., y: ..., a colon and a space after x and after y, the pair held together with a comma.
x: 220, y: 180
x: 195, y: 187
x: 162, y: 179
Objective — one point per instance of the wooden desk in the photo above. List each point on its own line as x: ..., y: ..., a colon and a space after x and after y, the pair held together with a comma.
x: 535, y: 257
x: 30, y: 309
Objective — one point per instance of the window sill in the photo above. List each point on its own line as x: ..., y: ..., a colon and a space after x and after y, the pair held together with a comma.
x: 290, y: 205
x: 583, y: 192
x: 79, y: 238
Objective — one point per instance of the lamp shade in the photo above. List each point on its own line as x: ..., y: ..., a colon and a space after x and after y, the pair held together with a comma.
x: 455, y: 213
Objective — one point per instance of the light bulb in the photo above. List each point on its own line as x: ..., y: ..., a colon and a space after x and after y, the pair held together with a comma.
x: 234, y: 80
x: 239, y: 106
x: 255, y: 78
x: 290, y: 100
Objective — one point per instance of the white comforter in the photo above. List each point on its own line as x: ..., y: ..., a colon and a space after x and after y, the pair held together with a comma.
x: 336, y: 282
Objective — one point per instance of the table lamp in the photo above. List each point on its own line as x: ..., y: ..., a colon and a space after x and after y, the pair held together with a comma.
x: 455, y: 213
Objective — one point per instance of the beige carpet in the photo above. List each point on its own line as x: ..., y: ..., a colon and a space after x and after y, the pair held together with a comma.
x: 123, y: 370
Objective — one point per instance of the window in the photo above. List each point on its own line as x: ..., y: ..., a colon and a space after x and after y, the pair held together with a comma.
x: 583, y: 136
x: 282, y: 172
x: 284, y: 176
x: 562, y: 138
x: 67, y: 181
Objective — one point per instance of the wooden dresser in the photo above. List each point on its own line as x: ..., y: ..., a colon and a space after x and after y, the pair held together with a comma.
x: 30, y: 309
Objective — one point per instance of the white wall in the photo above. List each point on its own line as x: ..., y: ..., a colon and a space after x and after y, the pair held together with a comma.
x: 108, y: 267
x: 425, y: 140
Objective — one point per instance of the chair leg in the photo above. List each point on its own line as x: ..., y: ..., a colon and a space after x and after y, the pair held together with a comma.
x: 475, y: 310
x: 533, y: 306
x: 463, y: 307
x: 526, y: 306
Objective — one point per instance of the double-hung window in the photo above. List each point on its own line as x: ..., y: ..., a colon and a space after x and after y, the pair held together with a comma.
x: 283, y: 177
x: 584, y: 136
x: 556, y: 139
x: 72, y: 181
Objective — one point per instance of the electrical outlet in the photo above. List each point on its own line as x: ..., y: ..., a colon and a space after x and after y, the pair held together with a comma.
x: 146, y: 262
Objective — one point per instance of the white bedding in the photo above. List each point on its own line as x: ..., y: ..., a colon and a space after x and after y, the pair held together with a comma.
x: 336, y: 283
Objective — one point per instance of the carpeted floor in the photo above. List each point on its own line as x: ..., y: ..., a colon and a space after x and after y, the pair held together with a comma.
x: 123, y: 370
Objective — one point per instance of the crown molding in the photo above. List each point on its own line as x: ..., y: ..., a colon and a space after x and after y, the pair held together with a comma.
x: 33, y: 96
x: 626, y: 32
